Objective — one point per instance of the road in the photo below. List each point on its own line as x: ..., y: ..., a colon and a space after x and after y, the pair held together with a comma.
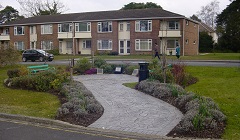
x: 215, y: 63
x: 20, y: 130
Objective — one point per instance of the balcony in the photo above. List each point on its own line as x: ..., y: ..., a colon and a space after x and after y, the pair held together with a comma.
x: 170, y: 33
x: 83, y: 35
x: 64, y: 35
x: 4, y: 37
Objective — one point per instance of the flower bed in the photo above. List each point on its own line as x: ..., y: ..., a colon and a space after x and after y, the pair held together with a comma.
x: 202, y: 117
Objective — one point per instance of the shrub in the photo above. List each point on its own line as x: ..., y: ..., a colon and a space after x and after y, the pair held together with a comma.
x: 201, y: 113
x: 99, y: 62
x: 82, y: 65
x: 157, y: 74
x: 181, y: 77
x: 107, y: 68
x: 154, y: 64
x: 9, y: 55
x: 42, y: 81
x: 80, y: 102
x: 113, y: 53
x: 23, y: 71
x: 54, y: 51
x: 129, y: 69
x: 13, y: 73
x: 91, y: 71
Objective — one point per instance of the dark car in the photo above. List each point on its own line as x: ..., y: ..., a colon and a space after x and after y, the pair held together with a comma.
x: 34, y: 55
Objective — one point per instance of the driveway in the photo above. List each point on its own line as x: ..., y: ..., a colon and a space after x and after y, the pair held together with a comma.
x: 127, y: 109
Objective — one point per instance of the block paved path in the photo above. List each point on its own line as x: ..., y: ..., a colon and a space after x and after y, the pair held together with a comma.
x: 127, y: 109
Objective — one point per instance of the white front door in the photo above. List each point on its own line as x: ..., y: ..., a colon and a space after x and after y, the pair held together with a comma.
x: 124, y: 47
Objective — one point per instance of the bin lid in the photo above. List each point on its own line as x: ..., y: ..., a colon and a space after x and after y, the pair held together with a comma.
x: 143, y: 63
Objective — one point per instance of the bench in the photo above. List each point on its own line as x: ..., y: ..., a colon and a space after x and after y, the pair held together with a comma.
x: 38, y: 68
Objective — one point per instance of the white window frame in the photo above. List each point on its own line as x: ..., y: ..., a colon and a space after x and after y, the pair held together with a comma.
x: 46, y: 29
x: 176, y: 25
x: 85, y: 44
x: 69, y: 46
x: 138, y: 44
x: 100, y: 43
x: 46, y: 42
x: 187, y: 22
x: 77, y: 26
x: 16, y: 30
x: 16, y: 45
x: 69, y: 27
x: 100, y: 26
x: 128, y: 26
x: 138, y: 26
x: 121, y: 26
x: 176, y: 43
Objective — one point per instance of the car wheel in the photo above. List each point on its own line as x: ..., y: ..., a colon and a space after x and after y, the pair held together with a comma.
x: 41, y: 59
x: 24, y: 59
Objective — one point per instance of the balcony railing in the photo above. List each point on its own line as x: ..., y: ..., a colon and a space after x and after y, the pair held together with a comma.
x: 4, y: 36
x: 170, y: 33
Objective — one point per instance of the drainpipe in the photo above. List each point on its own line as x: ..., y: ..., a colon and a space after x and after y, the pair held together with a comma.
x: 198, y: 41
x: 183, y: 36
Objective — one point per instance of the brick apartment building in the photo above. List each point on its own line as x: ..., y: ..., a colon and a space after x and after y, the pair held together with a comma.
x: 123, y: 31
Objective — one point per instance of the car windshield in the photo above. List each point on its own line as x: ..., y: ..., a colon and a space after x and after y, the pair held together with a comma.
x: 42, y: 52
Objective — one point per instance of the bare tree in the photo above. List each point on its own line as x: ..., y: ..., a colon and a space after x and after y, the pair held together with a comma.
x: 42, y: 7
x: 208, y: 13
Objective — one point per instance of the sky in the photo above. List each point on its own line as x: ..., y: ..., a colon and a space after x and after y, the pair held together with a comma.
x: 183, y: 7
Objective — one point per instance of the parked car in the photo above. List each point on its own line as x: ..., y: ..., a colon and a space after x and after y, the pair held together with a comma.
x: 34, y: 55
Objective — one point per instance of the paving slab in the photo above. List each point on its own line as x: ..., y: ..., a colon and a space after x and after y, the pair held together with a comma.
x: 129, y: 110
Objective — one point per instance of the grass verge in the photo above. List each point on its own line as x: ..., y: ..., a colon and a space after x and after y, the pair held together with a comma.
x: 208, y: 56
x: 24, y: 102
x: 130, y: 85
x: 222, y: 85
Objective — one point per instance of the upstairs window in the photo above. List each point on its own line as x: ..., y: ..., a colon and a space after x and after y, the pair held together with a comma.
x: 105, y: 26
x: 65, y: 27
x: 83, y: 27
x: 121, y: 26
x: 6, y: 31
x: 143, y: 25
x: 173, y: 25
x: 46, y: 29
x: 128, y: 26
x: 19, y: 30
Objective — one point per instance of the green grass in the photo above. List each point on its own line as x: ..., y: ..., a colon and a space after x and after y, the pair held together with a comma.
x: 210, y: 56
x: 24, y: 102
x: 222, y: 85
x: 130, y: 85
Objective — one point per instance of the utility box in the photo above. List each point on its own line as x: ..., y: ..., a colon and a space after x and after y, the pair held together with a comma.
x: 143, y: 71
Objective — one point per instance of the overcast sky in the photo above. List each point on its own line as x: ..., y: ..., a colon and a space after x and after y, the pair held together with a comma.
x: 183, y: 7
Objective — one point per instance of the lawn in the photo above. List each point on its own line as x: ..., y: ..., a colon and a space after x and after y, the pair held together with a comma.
x: 222, y: 85
x: 210, y: 56
x: 24, y: 102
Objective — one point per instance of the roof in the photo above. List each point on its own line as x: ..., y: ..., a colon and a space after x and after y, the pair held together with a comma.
x: 205, y: 28
x: 153, y: 13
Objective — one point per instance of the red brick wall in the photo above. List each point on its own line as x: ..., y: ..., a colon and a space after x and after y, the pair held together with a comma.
x: 105, y: 36
x: 25, y: 38
x: 45, y: 37
x: 144, y: 35
x: 191, y: 34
